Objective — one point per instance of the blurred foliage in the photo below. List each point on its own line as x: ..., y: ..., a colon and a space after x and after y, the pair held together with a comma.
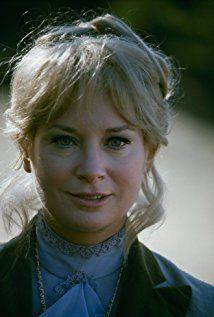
x: 182, y: 29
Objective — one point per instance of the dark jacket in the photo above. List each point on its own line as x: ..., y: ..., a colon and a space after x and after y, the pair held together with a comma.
x: 151, y: 286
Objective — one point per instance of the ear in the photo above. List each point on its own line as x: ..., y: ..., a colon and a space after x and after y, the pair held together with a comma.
x: 26, y: 165
x: 24, y: 149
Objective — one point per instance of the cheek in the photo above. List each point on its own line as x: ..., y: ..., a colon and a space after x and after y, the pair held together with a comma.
x: 129, y: 173
x: 50, y: 171
x: 128, y: 182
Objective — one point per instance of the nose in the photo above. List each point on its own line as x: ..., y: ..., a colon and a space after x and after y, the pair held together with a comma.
x: 91, y: 167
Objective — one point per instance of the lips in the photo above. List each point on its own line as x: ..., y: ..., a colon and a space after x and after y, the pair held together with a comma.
x: 91, y: 199
x: 91, y: 196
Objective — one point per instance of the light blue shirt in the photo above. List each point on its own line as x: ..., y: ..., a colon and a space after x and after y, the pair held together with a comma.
x: 78, y: 280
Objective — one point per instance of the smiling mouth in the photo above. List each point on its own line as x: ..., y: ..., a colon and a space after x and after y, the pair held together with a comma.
x: 91, y: 199
x: 89, y: 196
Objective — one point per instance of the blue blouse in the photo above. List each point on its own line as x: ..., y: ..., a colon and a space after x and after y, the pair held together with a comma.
x: 78, y: 280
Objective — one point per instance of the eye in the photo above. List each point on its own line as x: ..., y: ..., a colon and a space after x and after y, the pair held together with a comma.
x: 64, y: 141
x: 117, y: 142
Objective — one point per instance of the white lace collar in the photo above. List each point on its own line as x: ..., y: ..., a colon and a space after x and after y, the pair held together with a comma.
x: 69, y: 248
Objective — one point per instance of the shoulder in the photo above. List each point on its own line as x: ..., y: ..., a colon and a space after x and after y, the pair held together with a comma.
x: 202, y: 298
x: 175, y: 275
x: 12, y: 243
x: 2, y: 246
x: 8, y: 254
x: 17, y: 249
x: 8, y: 259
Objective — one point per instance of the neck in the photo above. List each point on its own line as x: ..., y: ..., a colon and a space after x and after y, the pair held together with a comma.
x: 85, y: 238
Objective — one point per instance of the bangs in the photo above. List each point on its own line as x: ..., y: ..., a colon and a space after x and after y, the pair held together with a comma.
x: 100, y: 69
x: 64, y: 74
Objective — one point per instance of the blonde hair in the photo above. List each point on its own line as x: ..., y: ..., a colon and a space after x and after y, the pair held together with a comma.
x: 74, y: 62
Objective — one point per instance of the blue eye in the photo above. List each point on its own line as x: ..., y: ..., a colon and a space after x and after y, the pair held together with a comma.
x: 117, y: 142
x: 64, y: 141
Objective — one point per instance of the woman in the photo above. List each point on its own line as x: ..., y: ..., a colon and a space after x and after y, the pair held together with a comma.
x: 89, y: 111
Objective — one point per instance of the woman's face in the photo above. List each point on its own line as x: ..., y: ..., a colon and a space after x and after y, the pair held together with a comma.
x: 88, y: 171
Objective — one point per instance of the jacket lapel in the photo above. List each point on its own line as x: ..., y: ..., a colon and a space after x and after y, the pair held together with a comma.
x: 143, y: 292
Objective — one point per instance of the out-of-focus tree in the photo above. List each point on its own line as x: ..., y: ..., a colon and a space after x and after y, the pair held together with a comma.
x: 184, y: 30
x: 181, y: 28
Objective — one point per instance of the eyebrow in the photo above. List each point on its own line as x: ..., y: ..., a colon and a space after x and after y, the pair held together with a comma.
x: 110, y: 130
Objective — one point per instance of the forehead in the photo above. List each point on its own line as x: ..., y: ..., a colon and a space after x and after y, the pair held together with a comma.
x: 100, y: 113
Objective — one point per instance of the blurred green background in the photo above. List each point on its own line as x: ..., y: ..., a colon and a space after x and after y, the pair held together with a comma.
x: 183, y: 29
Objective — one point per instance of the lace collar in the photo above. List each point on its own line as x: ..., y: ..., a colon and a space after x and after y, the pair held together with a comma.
x: 69, y: 248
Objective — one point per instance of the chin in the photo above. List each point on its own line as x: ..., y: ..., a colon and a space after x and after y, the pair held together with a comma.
x: 88, y: 227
